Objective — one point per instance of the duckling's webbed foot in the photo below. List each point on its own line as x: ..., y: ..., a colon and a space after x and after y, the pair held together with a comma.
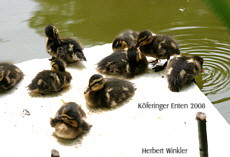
x: 158, y: 68
x: 153, y: 62
x: 51, y: 59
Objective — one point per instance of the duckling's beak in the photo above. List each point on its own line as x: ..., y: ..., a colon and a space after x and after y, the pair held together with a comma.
x: 87, y: 90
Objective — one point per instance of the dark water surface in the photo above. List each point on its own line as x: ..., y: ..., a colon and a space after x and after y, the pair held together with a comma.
x: 191, y: 22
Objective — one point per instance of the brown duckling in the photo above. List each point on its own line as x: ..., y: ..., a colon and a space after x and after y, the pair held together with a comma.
x: 127, y: 63
x: 68, y: 50
x: 157, y: 46
x: 125, y: 40
x: 69, y: 121
x: 10, y: 75
x: 48, y: 81
x: 107, y: 92
x: 182, y: 70
x: 114, y: 63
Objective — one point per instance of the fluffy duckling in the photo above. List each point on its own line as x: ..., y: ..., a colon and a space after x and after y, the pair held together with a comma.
x: 114, y: 63
x: 10, y: 75
x: 68, y: 50
x: 127, y: 63
x: 182, y: 70
x: 125, y: 40
x: 157, y: 46
x: 49, y: 81
x: 69, y: 121
x: 137, y: 63
x: 107, y: 92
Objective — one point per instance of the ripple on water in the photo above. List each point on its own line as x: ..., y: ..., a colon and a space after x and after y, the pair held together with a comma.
x: 208, y: 43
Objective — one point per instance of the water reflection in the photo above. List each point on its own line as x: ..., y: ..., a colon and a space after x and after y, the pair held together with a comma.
x: 192, y: 24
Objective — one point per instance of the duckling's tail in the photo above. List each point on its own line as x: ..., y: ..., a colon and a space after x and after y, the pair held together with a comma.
x: 175, y: 82
x: 80, y: 55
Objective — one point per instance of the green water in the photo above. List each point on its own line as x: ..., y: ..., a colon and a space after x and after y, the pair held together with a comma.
x: 197, y: 29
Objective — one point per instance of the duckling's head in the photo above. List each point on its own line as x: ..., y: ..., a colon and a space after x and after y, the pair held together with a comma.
x: 51, y: 32
x: 58, y: 64
x: 96, y: 82
x: 144, y: 38
x: 69, y: 115
x: 119, y: 44
x: 69, y: 121
x: 199, y: 59
x: 134, y: 55
x: 199, y: 62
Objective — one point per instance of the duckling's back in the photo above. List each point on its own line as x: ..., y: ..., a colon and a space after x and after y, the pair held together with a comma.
x: 138, y: 63
x: 181, y: 70
x: 115, y: 63
x: 117, y: 91
x: 165, y: 46
x: 124, y: 40
x: 49, y: 81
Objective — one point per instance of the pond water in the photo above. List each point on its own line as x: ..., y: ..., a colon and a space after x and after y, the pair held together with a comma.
x: 197, y: 29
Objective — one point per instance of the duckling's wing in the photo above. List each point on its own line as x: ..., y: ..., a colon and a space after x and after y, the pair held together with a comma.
x: 74, y: 50
x: 114, y: 63
x: 118, y: 90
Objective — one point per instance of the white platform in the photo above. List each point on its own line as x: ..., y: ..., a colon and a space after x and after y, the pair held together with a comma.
x: 124, y: 131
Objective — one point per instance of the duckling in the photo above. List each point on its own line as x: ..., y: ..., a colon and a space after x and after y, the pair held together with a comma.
x: 127, y: 63
x: 157, y: 46
x: 10, y: 75
x: 125, y: 40
x: 68, y: 50
x: 48, y: 81
x: 69, y: 121
x: 182, y: 70
x: 107, y: 92
x: 114, y: 63
x: 137, y: 62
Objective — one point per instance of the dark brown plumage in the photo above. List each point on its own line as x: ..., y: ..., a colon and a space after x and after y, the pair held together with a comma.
x: 10, y: 75
x: 69, y: 121
x: 114, y: 63
x: 182, y: 70
x: 107, y: 92
x: 157, y: 46
x: 125, y: 40
x: 48, y: 81
x: 127, y: 63
x: 68, y: 50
